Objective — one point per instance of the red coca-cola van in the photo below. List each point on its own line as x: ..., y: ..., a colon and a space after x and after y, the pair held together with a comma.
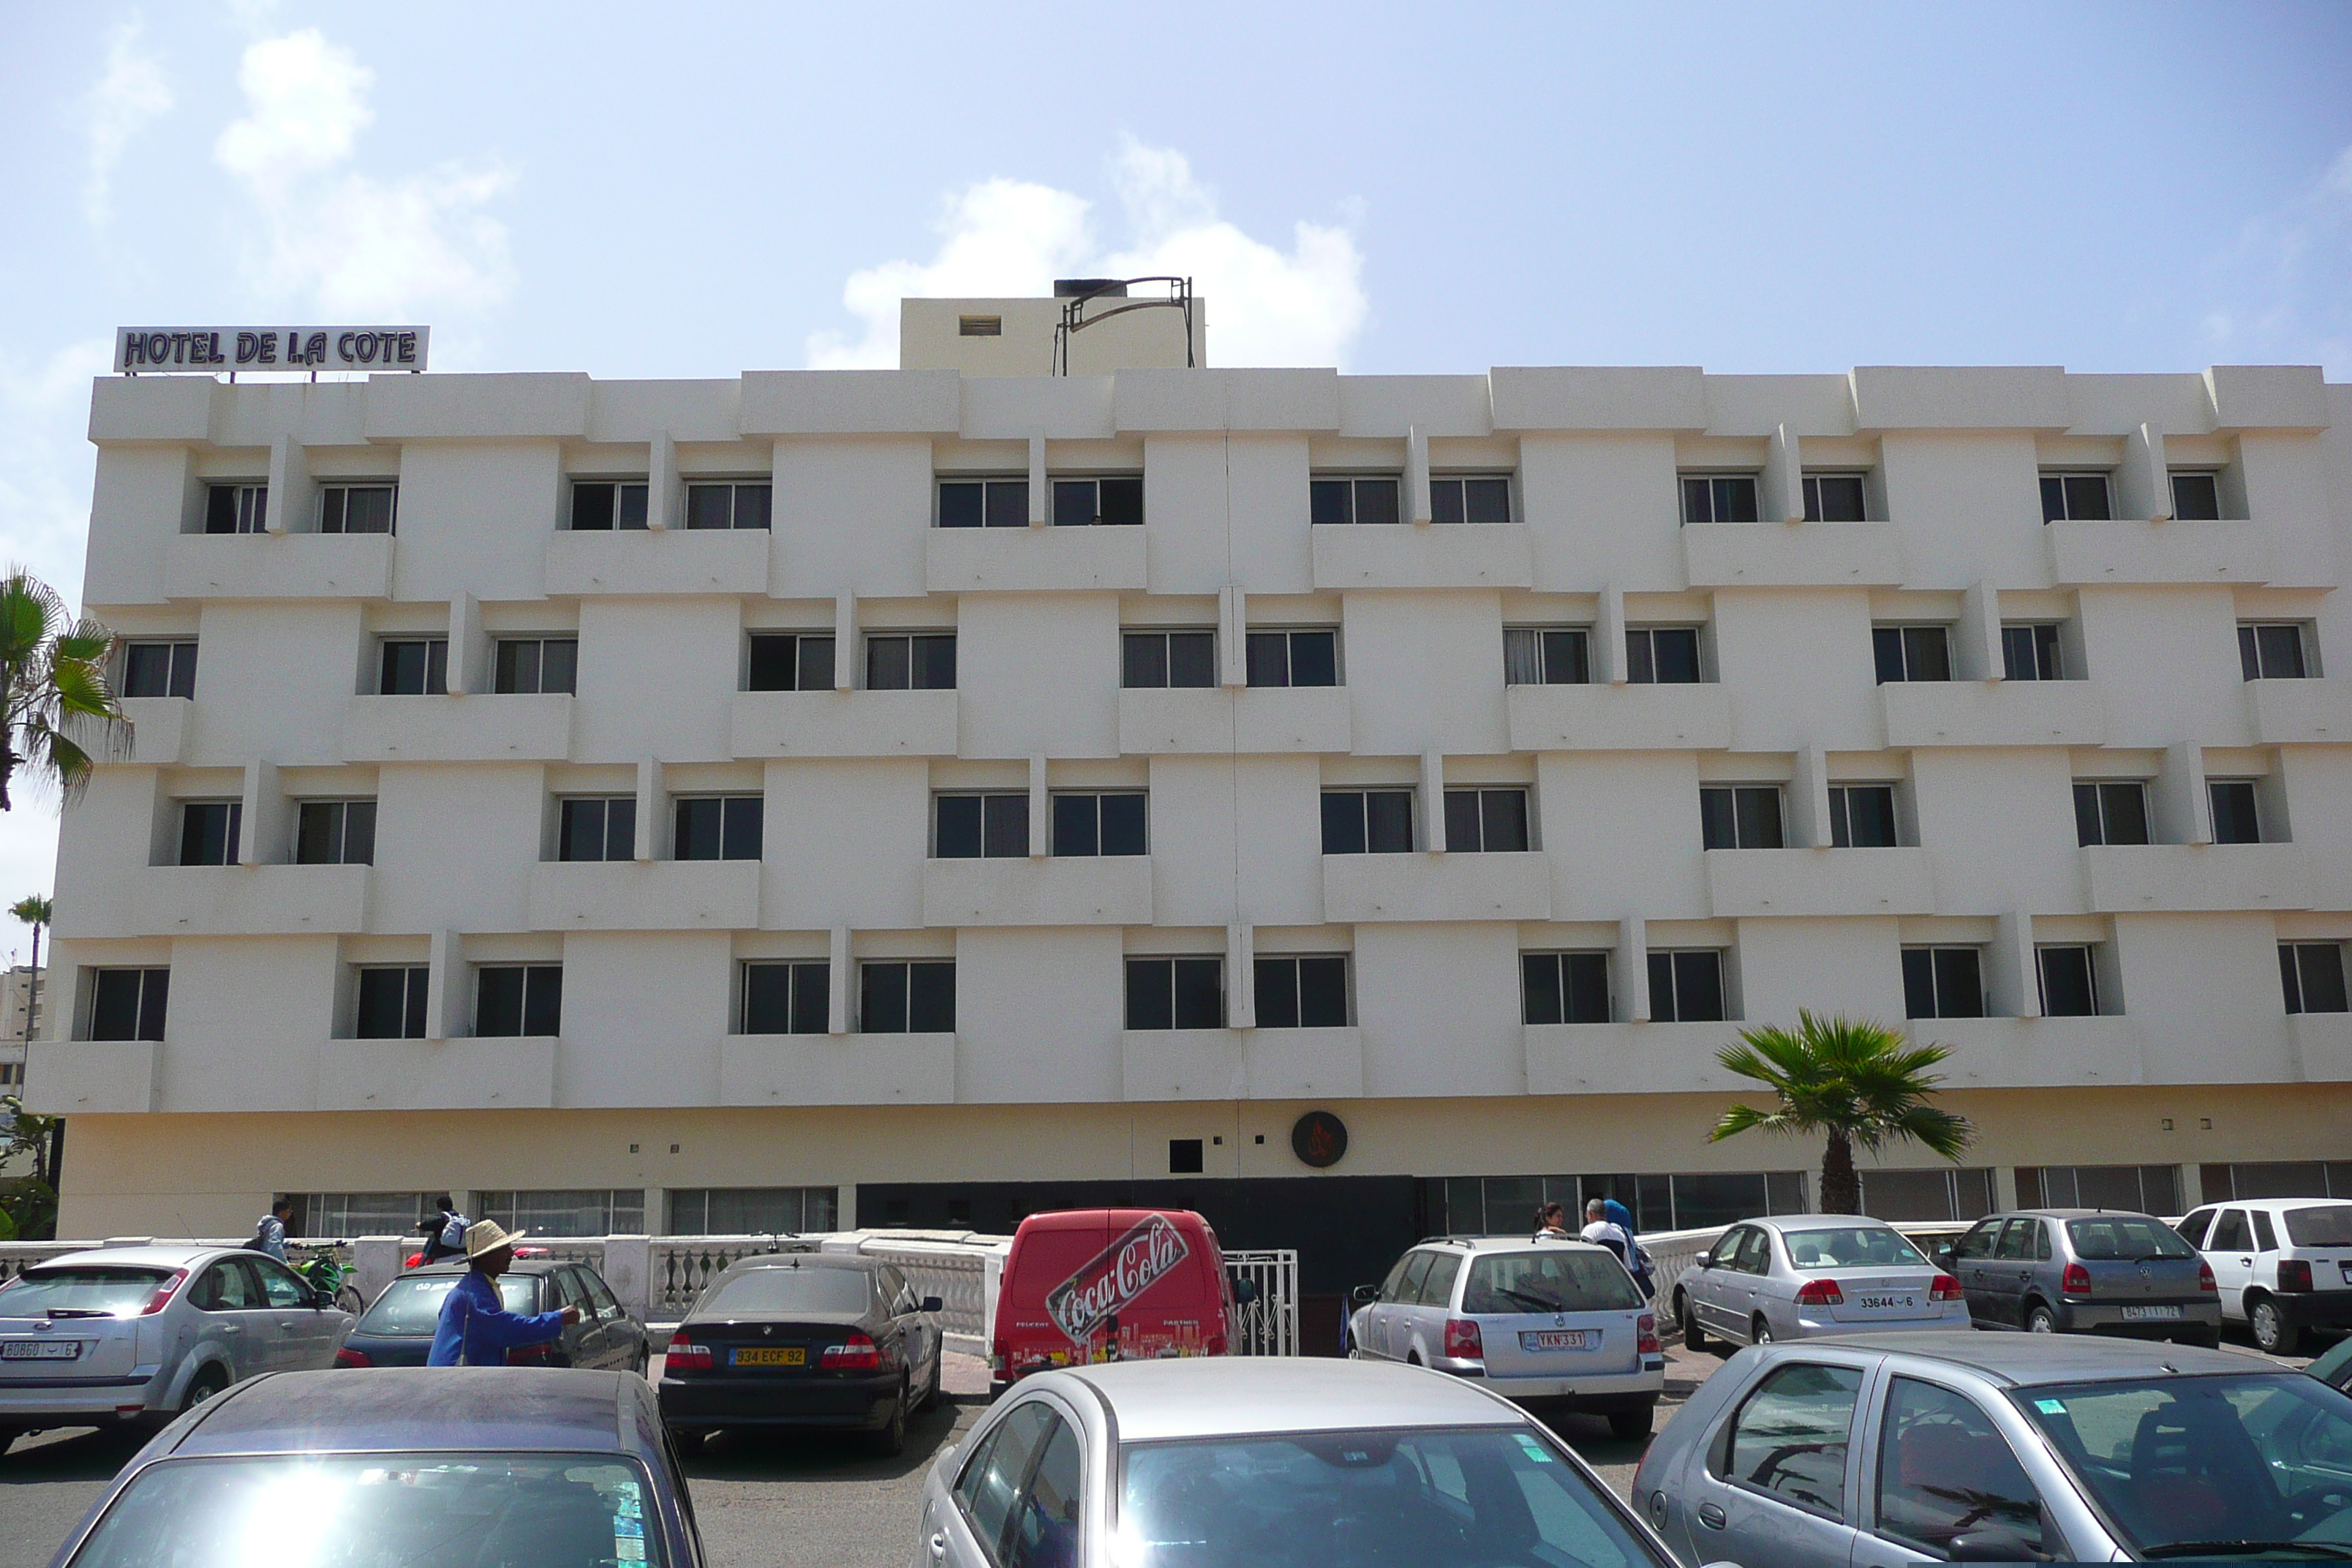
x: 1096, y: 1284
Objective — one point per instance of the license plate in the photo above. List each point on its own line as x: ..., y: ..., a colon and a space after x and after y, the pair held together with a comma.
x: 2150, y: 1314
x: 1886, y: 1303
x: 40, y: 1350
x: 771, y: 1355
x: 1559, y: 1340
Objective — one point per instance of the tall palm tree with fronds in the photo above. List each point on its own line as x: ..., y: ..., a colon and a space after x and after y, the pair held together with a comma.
x: 52, y: 681
x: 34, y: 911
x: 1851, y: 1080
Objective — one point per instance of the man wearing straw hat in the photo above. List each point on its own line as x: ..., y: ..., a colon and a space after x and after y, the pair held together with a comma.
x: 475, y: 1329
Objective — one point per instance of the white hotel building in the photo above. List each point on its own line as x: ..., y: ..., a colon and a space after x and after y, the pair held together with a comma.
x: 920, y: 795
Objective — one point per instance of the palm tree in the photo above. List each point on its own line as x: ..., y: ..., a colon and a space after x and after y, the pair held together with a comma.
x: 34, y: 911
x: 1855, y: 1080
x: 52, y: 677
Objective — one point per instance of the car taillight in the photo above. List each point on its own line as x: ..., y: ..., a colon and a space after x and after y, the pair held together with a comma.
x: 2075, y: 1281
x: 1645, y: 1335
x: 2205, y: 1278
x: 2295, y: 1274
x: 1214, y: 1344
x: 348, y: 1357
x: 1946, y: 1288
x: 860, y: 1354
x: 1462, y: 1341
x: 685, y: 1355
x: 1819, y: 1293
x: 162, y: 1296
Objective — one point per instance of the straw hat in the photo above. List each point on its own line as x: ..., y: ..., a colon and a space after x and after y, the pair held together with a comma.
x: 485, y: 1235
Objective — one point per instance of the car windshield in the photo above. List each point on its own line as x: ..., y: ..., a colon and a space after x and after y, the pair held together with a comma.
x: 2329, y: 1226
x: 789, y: 1290
x: 412, y: 1304
x: 1851, y: 1246
x: 1553, y: 1281
x: 2128, y: 1238
x: 418, y: 1511
x: 2207, y: 1465
x: 75, y: 1292
x: 1340, y: 1499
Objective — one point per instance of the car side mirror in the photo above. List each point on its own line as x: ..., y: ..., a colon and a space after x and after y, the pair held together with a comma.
x: 1988, y: 1546
x: 933, y: 1304
x: 1943, y: 1256
x: 1364, y: 1295
x: 1707, y: 1261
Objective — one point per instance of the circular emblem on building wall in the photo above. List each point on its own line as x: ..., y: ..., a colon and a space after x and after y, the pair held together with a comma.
x: 1319, y: 1139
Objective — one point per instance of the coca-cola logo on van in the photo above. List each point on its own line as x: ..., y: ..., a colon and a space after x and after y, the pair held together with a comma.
x: 1115, y: 1276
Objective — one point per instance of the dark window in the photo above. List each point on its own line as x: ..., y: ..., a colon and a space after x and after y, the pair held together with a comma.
x: 731, y: 505
x: 237, y: 508
x: 1942, y: 983
x: 1353, y: 501
x: 1944, y: 1472
x: 158, y: 669
x: 355, y: 509
x: 900, y: 998
x: 1833, y: 498
x: 2076, y: 497
x: 537, y: 665
x: 1661, y: 656
x: 983, y: 503
x: 1469, y: 500
x: 129, y: 1004
x: 1492, y: 820
x: 414, y: 666
x: 1718, y: 498
x: 1862, y: 817
x: 718, y: 828
x: 1740, y: 816
x: 972, y: 826
x: 2031, y: 652
x: 1105, y: 823
x: 1175, y: 993
x: 2272, y: 650
x: 1168, y: 658
x: 392, y: 1003
x: 920, y: 661
x: 2070, y: 988
x: 790, y: 662
x: 2197, y: 497
x: 2313, y: 973
x: 1912, y: 652
x: 1686, y: 986
x: 208, y: 832
x: 1545, y: 656
x: 1789, y: 1440
x: 1564, y: 987
x: 599, y: 506
x: 598, y: 828
x: 1079, y: 503
x: 2235, y: 818
x: 2115, y: 812
x: 787, y: 998
x: 1184, y: 1156
x: 1294, y: 658
x: 1302, y: 993
x: 335, y: 833
x: 1367, y: 821
x: 516, y: 999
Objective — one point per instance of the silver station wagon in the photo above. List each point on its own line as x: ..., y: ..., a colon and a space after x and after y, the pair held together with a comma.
x: 1793, y: 1278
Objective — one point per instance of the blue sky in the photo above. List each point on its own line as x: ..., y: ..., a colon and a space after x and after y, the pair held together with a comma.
x: 696, y: 190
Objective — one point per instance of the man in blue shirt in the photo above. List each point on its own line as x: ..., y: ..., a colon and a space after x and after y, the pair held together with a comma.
x: 475, y: 1329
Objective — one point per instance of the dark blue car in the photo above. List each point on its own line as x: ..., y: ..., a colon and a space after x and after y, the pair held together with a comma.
x: 434, y: 1467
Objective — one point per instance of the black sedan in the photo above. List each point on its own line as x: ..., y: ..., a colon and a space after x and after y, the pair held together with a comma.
x: 397, y: 1331
x: 807, y: 1338
x: 437, y: 1467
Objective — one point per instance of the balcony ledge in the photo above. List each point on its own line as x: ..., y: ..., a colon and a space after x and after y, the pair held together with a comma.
x: 1241, y: 1064
x: 467, y: 1074
x: 1072, y: 890
x: 1626, y: 718
x: 837, y: 1069
x: 630, y: 895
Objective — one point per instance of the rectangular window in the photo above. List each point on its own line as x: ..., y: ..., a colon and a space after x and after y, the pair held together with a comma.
x: 1367, y: 821
x: 209, y: 831
x: 1109, y: 823
x: 1344, y: 500
x: 592, y: 1211
x: 2313, y: 974
x: 597, y: 828
x: 1545, y: 656
x: 1912, y: 652
x: 356, y: 509
x: 975, y: 827
x: 1862, y: 817
x: 2074, y: 498
x: 790, y: 661
x: 414, y: 666
x: 1942, y: 983
x: 1661, y: 656
x: 600, y: 506
x: 1718, y: 498
x: 1493, y: 821
x: 1469, y: 498
x: 392, y: 1003
x: 2111, y: 812
x: 2236, y: 818
x: 1564, y: 987
x: 532, y: 664
x: 158, y: 669
x: 752, y: 1210
x: 237, y: 508
x: 129, y: 1004
x: 1833, y: 498
x: 1111, y: 503
x: 1294, y: 658
x: 916, y: 661
x: 2197, y: 496
x: 518, y: 999
x: 718, y: 828
x: 983, y: 503
x: 1740, y: 816
x: 1154, y: 659
x: 896, y: 997
x: 787, y: 998
x: 2273, y: 650
x: 2030, y: 651
x: 2070, y: 985
x: 1308, y: 993
x: 733, y: 504
x: 1686, y: 986
x: 335, y: 833
x: 1175, y: 993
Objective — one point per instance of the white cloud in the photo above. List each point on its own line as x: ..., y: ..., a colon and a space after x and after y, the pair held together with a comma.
x: 2288, y: 281
x: 120, y: 104
x: 347, y: 242
x: 1003, y: 237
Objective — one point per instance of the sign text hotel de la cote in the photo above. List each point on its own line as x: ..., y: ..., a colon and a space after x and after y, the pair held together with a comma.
x: 147, y: 350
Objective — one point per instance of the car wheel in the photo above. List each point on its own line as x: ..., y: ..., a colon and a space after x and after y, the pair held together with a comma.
x: 1759, y: 1333
x: 2041, y: 1319
x: 1631, y: 1425
x: 212, y: 1380
x: 1693, y: 1337
x: 891, y: 1440
x: 349, y: 1299
x: 2270, y: 1328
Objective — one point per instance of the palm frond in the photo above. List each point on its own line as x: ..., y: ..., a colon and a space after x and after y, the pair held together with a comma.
x: 1850, y: 1078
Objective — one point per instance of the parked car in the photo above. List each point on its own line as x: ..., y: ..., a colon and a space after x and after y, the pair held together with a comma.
x: 1096, y: 1284
x: 2103, y: 1271
x: 2283, y: 1265
x: 473, y: 1465
x: 1878, y: 1449
x: 120, y: 1334
x: 803, y: 1338
x: 1264, y: 1464
x: 1797, y: 1276
x: 397, y: 1329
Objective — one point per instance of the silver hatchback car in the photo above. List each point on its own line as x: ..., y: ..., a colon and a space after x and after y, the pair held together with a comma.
x: 1801, y: 1275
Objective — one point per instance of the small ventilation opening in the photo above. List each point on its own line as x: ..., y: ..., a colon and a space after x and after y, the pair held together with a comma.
x: 1183, y: 1156
x: 981, y: 326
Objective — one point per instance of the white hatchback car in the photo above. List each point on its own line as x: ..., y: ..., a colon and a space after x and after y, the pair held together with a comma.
x: 2283, y: 1265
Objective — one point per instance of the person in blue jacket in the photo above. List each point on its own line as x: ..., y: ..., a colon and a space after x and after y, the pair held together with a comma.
x: 475, y: 1329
